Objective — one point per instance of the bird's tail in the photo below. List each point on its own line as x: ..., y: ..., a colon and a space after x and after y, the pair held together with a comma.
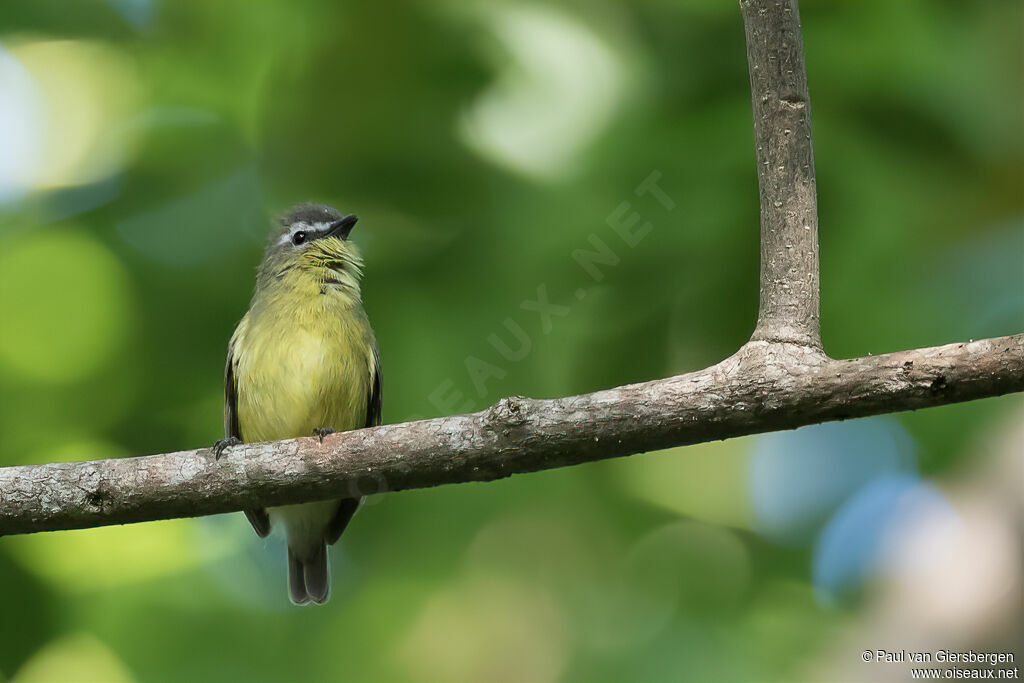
x: 308, y: 576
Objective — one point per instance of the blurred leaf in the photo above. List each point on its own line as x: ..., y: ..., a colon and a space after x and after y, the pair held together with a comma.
x: 706, y: 481
x: 66, y: 325
x: 107, y: 557
x: 81, y: 658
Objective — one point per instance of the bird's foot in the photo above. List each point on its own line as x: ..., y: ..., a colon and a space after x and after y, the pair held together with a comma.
x: 321, y: 432
x: 224, y: 444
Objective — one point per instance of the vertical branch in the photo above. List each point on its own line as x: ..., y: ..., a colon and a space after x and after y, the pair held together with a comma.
x: 785, y: 172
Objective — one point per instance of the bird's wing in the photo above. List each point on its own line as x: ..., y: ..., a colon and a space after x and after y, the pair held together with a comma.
x: 348, y: 506
x: 231, y: 428
x: 373, y: 398
x: 257, y: 516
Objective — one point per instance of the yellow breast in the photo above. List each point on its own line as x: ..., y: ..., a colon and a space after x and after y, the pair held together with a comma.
x: 302, y: 367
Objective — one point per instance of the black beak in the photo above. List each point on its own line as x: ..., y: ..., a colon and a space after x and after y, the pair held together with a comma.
x: 342, y: 227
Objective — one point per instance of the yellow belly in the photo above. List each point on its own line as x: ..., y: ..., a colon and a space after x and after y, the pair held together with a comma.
x: 300, y: 370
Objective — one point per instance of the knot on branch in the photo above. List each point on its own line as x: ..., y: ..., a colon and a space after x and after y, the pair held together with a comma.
x: 96, y: 495
x: 509, y: 412
x: 95, y: 498
x: 95, y: 490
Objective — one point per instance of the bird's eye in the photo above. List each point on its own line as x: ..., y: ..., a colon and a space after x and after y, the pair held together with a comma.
x: 299, y: 237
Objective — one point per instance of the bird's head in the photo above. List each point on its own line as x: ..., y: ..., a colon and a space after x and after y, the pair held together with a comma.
x: 311, y: 247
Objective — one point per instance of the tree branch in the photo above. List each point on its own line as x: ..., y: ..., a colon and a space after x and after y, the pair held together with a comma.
x: 763, y: 387
x: 778, y: 380
x: 785, y: 173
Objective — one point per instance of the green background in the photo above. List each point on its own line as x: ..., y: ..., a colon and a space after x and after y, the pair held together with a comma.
x: 482, y: 144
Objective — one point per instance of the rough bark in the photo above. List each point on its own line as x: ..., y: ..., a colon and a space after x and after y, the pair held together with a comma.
x: 785, y: 173
x: 780, y: 379
x: 765, y: 386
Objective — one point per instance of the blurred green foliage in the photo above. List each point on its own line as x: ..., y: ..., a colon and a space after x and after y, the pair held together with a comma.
x: 481, y: 144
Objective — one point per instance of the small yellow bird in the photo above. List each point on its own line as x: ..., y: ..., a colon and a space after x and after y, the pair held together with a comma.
x: 304, y: 361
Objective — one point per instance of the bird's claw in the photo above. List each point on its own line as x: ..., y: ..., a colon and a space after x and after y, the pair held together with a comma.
x: 321, y: 432
x: 224, y: 444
